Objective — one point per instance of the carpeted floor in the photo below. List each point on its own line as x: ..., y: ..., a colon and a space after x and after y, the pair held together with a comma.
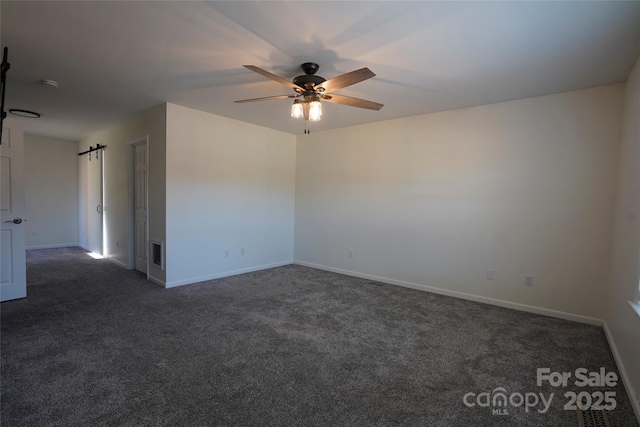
x: 96, y: 345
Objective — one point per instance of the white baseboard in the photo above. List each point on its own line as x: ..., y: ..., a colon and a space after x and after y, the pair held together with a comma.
x: 156, y: 281
x: 84, y: 247
x: 462, y: 295
x: 633, y: 396
x: 118, y: 263
x: 54, y: 246
x: 226, y: 274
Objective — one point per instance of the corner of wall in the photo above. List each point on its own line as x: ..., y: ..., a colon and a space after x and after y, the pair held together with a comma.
x: 622, y: 325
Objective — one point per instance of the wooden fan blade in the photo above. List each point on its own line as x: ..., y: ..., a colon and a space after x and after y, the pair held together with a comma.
x: 271, y: 76
x: 266, y: 98
x: 352, y: 102
x: 347, y: 79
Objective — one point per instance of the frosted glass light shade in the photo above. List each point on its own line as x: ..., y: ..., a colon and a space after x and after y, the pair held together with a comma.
x: 315, y: 111
x: 296, y: 110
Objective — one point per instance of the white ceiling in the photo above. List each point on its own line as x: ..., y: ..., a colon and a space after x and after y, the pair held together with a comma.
x: 115, y: 59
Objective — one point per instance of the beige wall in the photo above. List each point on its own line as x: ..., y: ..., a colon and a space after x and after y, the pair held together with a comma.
x: 118, y: 182
x: 526, y: 187
x: 215, y: 185
x: 230, y: 185
x: 622, y: 322
x: 51, y: 192
x: 522, y: 188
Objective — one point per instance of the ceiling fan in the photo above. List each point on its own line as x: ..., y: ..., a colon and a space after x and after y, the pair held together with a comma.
x: 311, y: 88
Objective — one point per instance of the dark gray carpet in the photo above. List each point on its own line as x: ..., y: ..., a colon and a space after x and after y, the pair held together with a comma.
x: 96, y: 345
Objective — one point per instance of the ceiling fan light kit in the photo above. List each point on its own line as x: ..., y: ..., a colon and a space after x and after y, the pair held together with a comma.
x: 310, y: 89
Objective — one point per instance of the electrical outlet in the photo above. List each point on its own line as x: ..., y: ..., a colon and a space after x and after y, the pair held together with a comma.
x: 226, y: 253
x: 350, y: 253
x: 490, y: 274
x: 528, y: 280
x: 241, y: 251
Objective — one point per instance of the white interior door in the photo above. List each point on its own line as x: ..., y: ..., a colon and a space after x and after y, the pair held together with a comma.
x: 94, y: 201
x: 140, y: 206
x: 13, y: 275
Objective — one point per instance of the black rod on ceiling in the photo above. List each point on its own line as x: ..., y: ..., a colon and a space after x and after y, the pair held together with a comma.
x: 92, y: 149
x: 4, y: 68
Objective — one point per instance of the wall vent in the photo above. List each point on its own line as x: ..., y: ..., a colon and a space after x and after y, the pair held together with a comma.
x: 157, y: 253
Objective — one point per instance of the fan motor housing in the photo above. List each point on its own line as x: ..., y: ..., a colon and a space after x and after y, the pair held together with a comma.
x: 304, y: 80
x: 310, y: 69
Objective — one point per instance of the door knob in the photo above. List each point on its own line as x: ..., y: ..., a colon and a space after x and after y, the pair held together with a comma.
x: 16, y: 221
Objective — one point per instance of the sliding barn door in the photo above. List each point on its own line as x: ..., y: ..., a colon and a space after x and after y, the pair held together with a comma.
x: 95, y: 202
x: 90, y: 201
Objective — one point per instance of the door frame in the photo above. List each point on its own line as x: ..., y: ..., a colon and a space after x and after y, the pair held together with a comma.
x: 131, y: 214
